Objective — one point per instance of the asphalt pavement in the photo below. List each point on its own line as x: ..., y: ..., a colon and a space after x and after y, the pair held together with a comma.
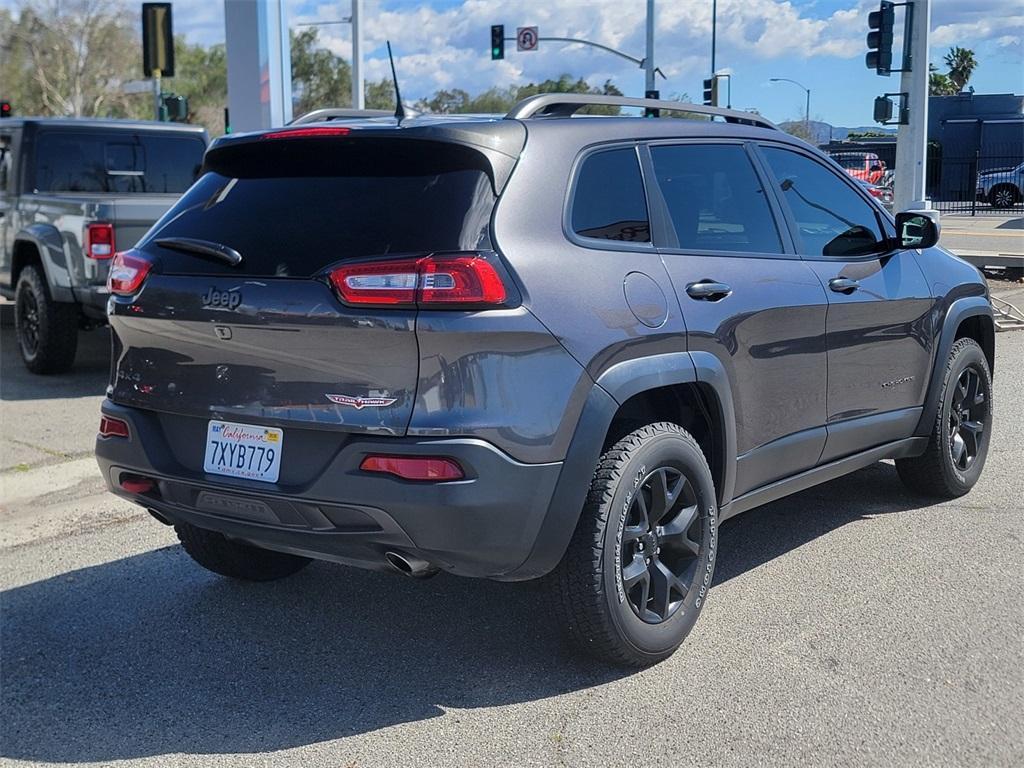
x: 852, y: 624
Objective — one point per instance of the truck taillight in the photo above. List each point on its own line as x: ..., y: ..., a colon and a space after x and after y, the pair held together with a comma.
x: 99, y: 240
x: 128, y: 270
x: 450, y: 280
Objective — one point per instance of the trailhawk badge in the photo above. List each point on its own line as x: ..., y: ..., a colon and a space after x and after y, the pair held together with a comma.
x: 362, y: 402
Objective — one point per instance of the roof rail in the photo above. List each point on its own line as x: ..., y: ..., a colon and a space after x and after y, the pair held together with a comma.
x: 567, y: 104
x: 339, y: 113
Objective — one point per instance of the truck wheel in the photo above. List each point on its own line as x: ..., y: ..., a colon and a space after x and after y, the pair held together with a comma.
x: 956, y: 452
x: 1003, y: 196
x: 640, y: 563
x: 47, y: 330
x: 219, y: 554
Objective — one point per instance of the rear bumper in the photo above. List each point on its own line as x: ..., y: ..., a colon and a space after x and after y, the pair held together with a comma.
x: 93, y: 301
x: 486, y: 525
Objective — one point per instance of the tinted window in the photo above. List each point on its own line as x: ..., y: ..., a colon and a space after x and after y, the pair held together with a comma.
x: 121, y: 162
x: 610, y: 203
x: 715, y: 199
x: 850, y: 162
x: 833, y: 219
x: 292, y: 225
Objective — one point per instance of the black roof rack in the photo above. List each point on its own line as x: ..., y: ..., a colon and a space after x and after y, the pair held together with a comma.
x: 567, y: 104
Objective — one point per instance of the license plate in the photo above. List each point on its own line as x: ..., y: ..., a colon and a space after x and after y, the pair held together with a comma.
x: 243, y: 450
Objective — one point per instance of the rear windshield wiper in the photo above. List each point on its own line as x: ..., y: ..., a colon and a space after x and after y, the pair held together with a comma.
x: 201, y: 248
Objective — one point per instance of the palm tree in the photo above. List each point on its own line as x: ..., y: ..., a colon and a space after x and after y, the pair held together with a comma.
x: 939, y: 84
x: 961, y: 63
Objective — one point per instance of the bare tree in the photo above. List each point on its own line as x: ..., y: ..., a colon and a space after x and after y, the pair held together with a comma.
x: 73, y: 56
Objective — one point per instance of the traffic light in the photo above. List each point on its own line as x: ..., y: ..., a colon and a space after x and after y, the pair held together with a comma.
x: 881, y: 22
x: 883, y: 109
x: 652, y: 111
x: 5, y: 109
x: 497, y: 42
x: 175, y: 107
x: 157, y: 39
x: 711, y: 92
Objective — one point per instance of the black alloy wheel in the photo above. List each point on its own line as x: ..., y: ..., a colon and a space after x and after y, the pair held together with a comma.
x: 660, y: 545
x: 967, y: 416
x: 28, y: 322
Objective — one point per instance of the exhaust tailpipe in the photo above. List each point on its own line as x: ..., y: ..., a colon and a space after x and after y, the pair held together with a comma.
x: 408, y: 565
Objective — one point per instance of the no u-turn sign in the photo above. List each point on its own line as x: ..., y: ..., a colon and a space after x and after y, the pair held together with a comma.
x: 526, y: 38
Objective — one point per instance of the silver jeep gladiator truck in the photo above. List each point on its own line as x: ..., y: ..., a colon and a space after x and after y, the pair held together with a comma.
x: 72, y: 193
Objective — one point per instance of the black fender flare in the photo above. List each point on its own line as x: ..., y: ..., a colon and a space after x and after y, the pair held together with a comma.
x: 612, y: 388
x: 958, y: 311
x: 49, y: 244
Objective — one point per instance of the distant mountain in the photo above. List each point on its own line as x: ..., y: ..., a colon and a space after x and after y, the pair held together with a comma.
x: 822, y: 133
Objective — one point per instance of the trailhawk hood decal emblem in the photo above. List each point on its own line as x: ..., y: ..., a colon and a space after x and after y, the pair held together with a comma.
x: 361, y: 402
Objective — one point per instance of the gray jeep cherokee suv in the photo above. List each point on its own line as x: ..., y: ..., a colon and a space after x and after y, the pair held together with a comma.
x: 538, y: 346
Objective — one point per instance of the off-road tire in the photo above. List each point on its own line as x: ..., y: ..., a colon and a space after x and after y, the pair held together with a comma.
x: 585, y: 590
x: 47, y: 330
x: 219, y: 554
x: 934, y: 472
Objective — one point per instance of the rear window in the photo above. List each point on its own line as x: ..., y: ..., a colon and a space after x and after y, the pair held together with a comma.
x: 118, y: 162
x: 291, y: 215
x: 609, y: 203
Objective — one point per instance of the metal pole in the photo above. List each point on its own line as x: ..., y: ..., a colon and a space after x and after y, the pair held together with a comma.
x: 156, y: 93
x: 714, y: 27
x: 649, y: 57
x: 912, y: 139
x: 807, y: 112
x: 358, y: 95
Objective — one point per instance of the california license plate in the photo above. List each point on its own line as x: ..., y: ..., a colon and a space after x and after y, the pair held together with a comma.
x: 243, y: 450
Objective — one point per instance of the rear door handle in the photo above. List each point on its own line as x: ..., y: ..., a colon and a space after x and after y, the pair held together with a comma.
x: 843, y: 285
x: 708, y: 290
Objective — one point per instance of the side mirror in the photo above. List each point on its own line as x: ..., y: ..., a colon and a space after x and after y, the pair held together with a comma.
x: 916, y: 229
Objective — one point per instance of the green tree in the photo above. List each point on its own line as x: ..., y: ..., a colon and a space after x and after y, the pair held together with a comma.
x: 201, y: 74
x: 939, y: 84
x: 319, y: 78
x: 961, y: 63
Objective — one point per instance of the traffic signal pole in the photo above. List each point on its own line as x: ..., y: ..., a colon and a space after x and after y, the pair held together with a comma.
x: 912, y: 139
x: 649, y: 56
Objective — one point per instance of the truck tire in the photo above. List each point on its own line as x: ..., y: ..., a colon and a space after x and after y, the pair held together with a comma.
x: 219, y: 554
x: 958, y: 445
x: 640, y: 563
x: 47, y: 330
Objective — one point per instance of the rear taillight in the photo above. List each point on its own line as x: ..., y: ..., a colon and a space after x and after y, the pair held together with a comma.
x: 419, y: 468
x: 128, y: 270
x: 436, y: 281
x: 111, y: 427
x: 99, y: 240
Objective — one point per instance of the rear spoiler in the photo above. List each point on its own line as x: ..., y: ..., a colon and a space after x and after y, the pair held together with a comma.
x: 496, y: 145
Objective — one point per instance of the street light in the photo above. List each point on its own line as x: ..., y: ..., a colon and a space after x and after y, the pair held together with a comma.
x: 807, y: 111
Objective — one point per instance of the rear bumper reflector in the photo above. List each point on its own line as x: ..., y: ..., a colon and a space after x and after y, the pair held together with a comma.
x: 418, y: 468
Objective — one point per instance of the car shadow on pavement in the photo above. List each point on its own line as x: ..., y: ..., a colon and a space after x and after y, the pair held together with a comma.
x: 150, y: 655
x: 763, y: 534
x: 87, y: 378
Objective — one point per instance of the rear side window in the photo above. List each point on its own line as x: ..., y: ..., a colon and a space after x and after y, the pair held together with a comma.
x: 118, y: 162
x: 832, y: 218
x: 609, y: 203
x: 715, y: 199
x: 371, y: 200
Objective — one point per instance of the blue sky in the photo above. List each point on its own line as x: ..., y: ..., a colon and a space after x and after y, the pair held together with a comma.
x: 445, y: 44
